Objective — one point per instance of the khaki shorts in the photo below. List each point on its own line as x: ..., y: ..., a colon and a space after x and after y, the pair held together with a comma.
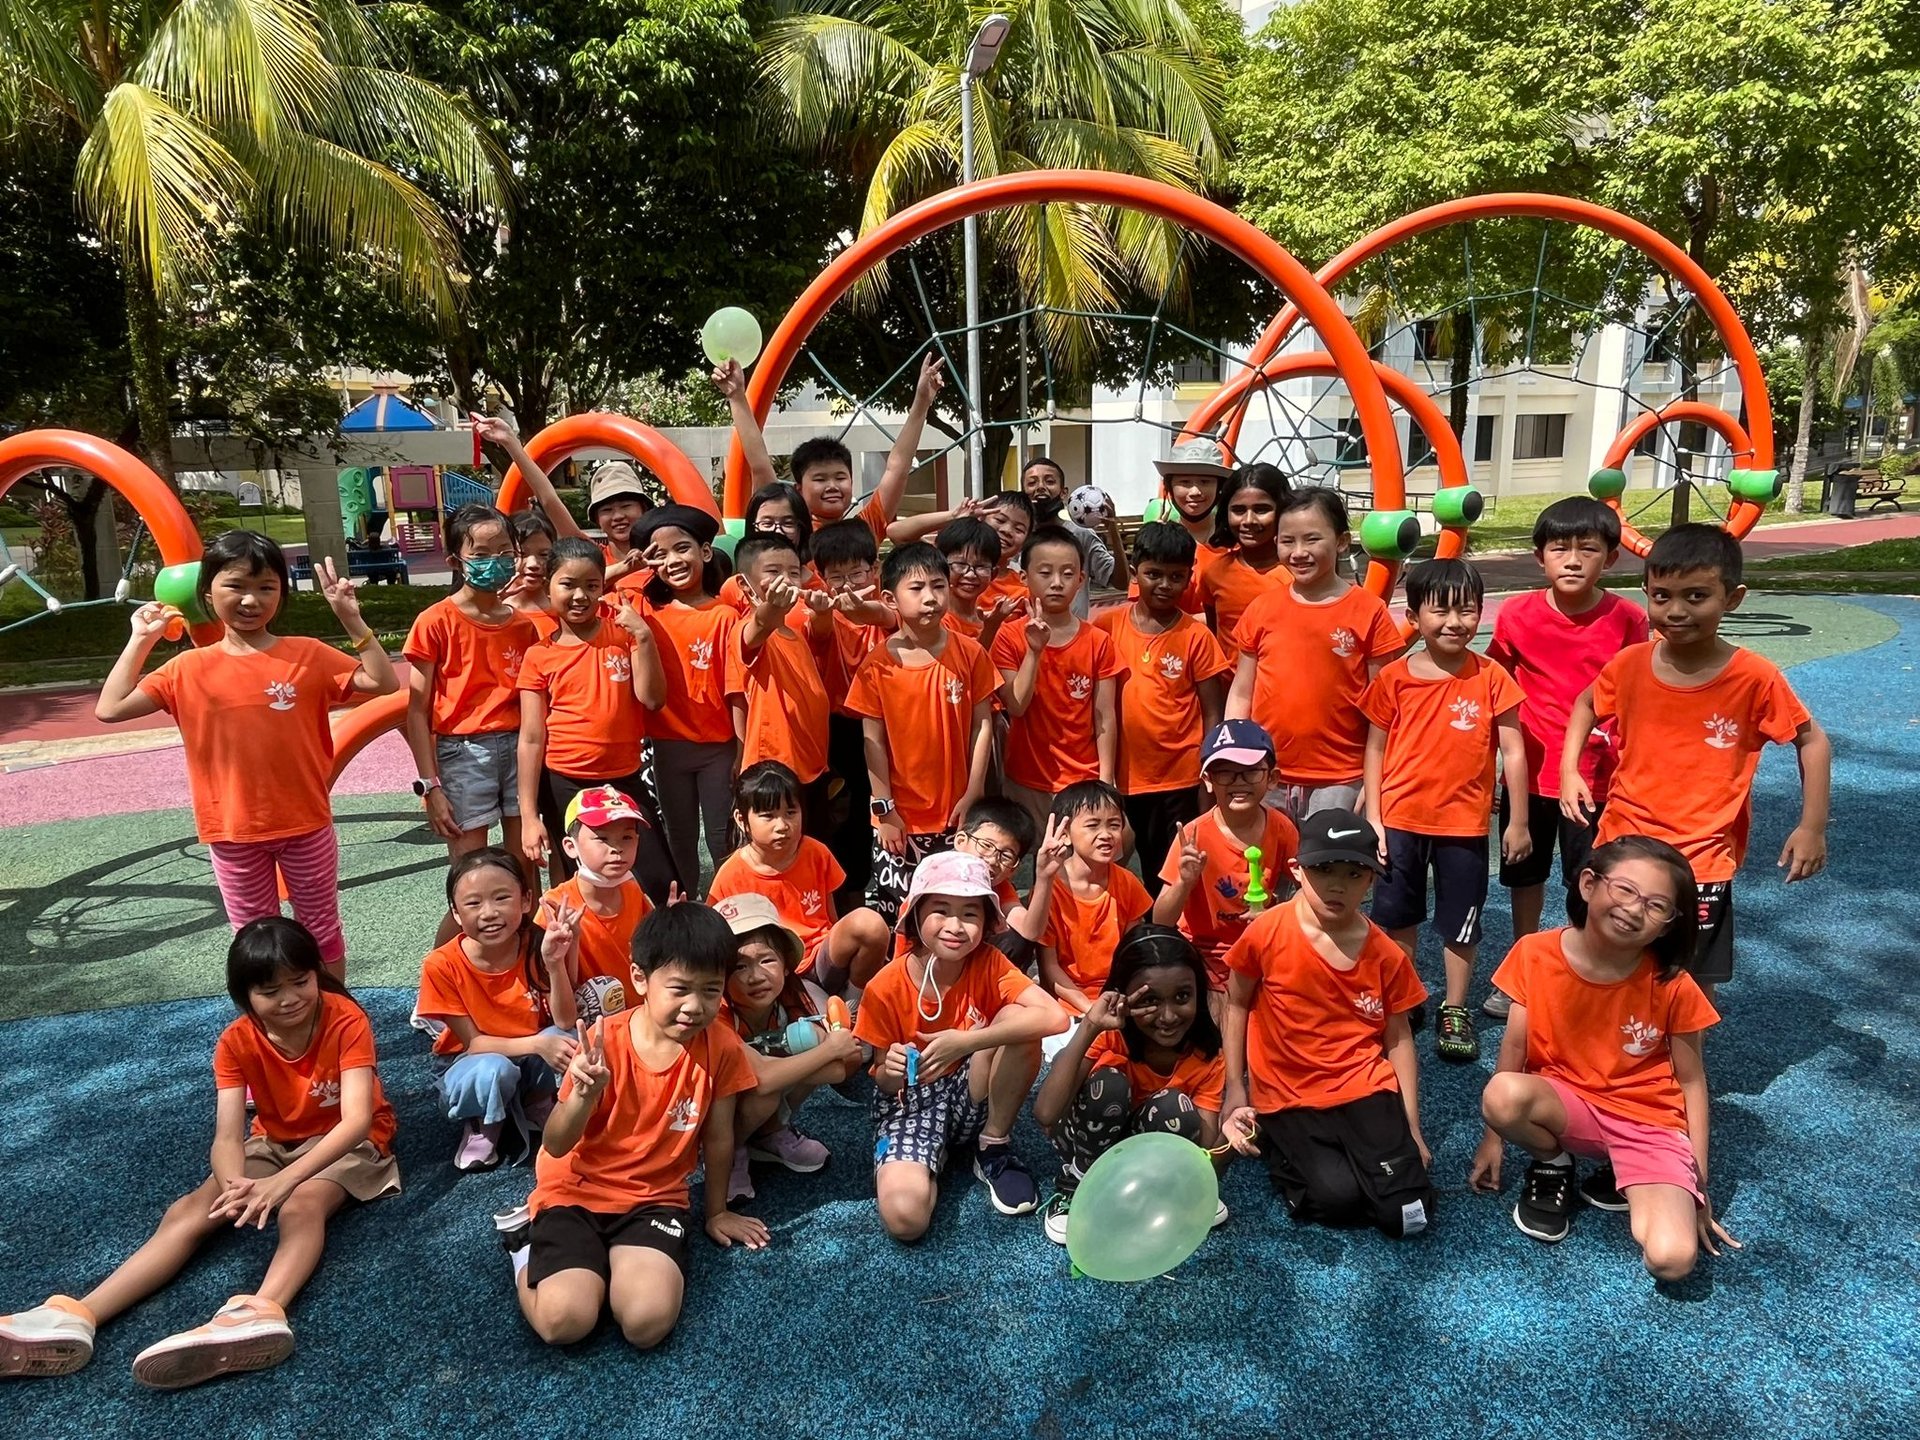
x: 363, y: 1172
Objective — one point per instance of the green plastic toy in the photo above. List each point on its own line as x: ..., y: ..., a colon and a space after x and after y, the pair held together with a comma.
x: 1257, y: 896
x: 179, y: 587
x: 1607, y: 484
x: 1458, y: 505
x: 1761, y: 487
x: 1390, y: 534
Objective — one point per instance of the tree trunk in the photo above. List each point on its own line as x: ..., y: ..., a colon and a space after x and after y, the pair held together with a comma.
x: 1803, y: 426
x: 1865, y: 369
x: 1460, y: 374
x: 152, y: 395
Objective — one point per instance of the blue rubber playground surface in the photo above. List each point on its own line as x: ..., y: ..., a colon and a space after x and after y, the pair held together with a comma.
x: 410, y: 1328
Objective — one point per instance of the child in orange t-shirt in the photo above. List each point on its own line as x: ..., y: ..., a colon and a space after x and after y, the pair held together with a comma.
x: 322, y: 1135
x: 1171, y: 692
x: 1060, y: 680
x: 972, y: 549
x: 583, y: 698
x: 1249, y: 564
x: 1307, y: 651
x: 1095, y: 901
x: 603, y: 902
x: 1000, y: 833
x: 779, y: 860
x: 955, y: 1032
x: 1602, y: 1058
x: 925, y: 698
x: 1190, y: 483
x: 1208, y: 870
x: 779, y: 701
x: 1691, y: 714
x: 1145, y: 1056
x: 253, y: 715
x: 650, y: 1093
x: 1321, y: 1066
x: 501, y: 997
x: 790, y: 1044
x: 1440, y: 716
x: 463, y: 697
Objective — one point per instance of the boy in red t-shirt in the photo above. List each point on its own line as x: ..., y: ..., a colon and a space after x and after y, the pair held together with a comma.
x: 649, y: 1094
x: 1691, y: 714
x: 1172, y: 689
x: 1553, y: 642
x: 1440, y: 715
x: 1322, y: 1076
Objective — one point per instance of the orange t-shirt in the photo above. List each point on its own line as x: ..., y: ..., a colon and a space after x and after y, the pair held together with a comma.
x: 840, y: 653
x: 502, y: 1005
x: 802, y: 893
x: 927, y: 711
x: 1193, y: 599
x: 1215, y: 914
x: 1159, y: 702
x: 642, y: 1140
x: 693, y: 643
x: 1230, y: 585
x: 1316, y: 1036
x: 476, y: 668
x: 1612, y: 1043
x: 594, y: 720
x: 890, y: 1006
x: 960, y: 625
x: 255, y: 728
x: 295, y: 1100
x: 1009, y: 583
x: 545, y: 623
x: 1202, y: 1077
x: 733, y: 593
x: 1052, y: 745
x: 635, y: 580
x: 786, y: 703
x: 1085, y: 933
x: 1443, y: 741
x: 606, y: 941
x: 1312, y: 669
x: 1687, y: 756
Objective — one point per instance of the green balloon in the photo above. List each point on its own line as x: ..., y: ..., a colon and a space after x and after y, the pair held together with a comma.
x: 732, y: 532
x: 1607, y: 484
x: 1143, y: 1207
x: 731, y: 334
x: 1758, y: 486
x: 1458, y: 505
x: 1158, y: 508
x: 179, y: 586
x: 1390, y: 534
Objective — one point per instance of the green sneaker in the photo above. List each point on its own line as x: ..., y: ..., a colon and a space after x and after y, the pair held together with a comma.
x: 1055, y: 1221
x: 1454, y: 1035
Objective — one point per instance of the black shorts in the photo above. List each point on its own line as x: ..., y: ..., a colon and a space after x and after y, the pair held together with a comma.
x: 1156, y: 818
x: 568, y: 1237
x: 850, y: 807
x: 652, y: 866
x: 1459, y: 865
x: 1712, y: 962
x: 1547, y: 826
x: 1353, y: 1164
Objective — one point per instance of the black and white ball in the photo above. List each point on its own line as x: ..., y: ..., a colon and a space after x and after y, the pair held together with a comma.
x: 1089, y: 505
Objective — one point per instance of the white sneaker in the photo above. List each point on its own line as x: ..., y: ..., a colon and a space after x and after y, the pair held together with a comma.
x: 246, y: 1333
x: 51, y: 1339
x: 1497, y: 1005
x: 1220, y: 1215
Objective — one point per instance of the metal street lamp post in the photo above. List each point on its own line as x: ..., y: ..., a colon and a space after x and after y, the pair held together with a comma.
x: 987, y: 41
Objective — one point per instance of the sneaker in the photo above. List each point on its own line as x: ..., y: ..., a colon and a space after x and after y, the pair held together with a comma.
x: 786, y: 1146
x: 1220, y: 1215
x: 1498, y: 1005
x: 1054, y: 1222
x: 247, y: 1333
x: 1454, y: 1036
x: 51, y: 1339
x: 1417, y: 1018
x: 538, y: 1110
x: 479, y: 1147
x: 1546, y: 1200
x: 740, y: 1182
x: 1599, y: 1190
x: 514, y: 1227
x: 1009, y: 1183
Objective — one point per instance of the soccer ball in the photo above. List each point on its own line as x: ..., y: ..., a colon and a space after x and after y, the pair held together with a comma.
x: 1088, y: 504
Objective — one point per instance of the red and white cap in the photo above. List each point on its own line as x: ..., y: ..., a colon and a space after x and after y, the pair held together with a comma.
x: 601, y: 805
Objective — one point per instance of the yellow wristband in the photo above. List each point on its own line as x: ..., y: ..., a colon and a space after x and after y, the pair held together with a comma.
x: 364, y: 643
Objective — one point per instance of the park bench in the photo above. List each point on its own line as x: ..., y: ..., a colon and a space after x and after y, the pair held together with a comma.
x: 1847, y: 484
x: 380, y: 564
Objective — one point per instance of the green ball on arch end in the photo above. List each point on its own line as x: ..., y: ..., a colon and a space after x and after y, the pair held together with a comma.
x: 1607, y: 484
x: 1390, y: 534
x: 179, y: 586
x: 1458, y: 505
x: 732, y: 531
x: 1761, y: 487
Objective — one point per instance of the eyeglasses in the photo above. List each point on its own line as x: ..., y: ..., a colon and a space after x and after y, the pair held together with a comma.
x: 991, y: 853
x: 1220, y: 775
x: 972, y: 567
x: 1625, y: 892
x: 789, y: 525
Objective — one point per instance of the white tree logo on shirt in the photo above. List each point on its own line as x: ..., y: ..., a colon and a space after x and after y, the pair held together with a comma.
x: 1079, y: 687
x: 512, y: 658
x: 1172, y: 667
x: 282, y: 695
x: 684, y: 1115
x: 1369, y: 1005
x: 1466, y: 714
x: 1722, y: 733
x: 1346, y: 644
x: 810, y: 902
x: 619, y: 668
x: 700, y: 654
x: 956, y: 690
x: 327, y: 1092
x: 1642, y: 1038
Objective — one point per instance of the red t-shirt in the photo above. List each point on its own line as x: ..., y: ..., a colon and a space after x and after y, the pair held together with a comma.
x: 1554, y: 656
x: 295, y: 1100
x: 1159, y: 702
x: 1052, y: 745
x: 1442, y: 742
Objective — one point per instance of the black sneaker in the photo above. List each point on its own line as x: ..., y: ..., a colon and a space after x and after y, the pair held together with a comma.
x: 1599, y: 1191
x: 1546, y: 1200
x: 1454, y: 1036
x: 1009, y: 1183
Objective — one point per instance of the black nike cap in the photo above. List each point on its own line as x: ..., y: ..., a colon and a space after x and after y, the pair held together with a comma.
x: 1328, y: 837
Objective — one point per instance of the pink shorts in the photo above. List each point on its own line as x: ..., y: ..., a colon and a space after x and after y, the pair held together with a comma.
x: 1641, y: 1154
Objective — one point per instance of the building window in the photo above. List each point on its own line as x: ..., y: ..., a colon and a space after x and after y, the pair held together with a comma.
x: 1201, y: 369
x: 1539, y: 437
x: 1483, y: 428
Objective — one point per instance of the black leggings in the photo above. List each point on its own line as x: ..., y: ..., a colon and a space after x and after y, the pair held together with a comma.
x: 652, y: 867
x: 1103, y: 1115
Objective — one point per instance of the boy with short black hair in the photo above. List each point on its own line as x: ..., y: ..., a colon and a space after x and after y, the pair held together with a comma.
x: 1172, y: 690
x: 649, y: 1093
x: 973, y: 552
x: 1439, y: 716
x: 924, y: 697
x: 773, y: 683
x: 1096, y: 900
x: 1691, y: 713
x: 822, y: 468
x: 1000, y: 832
x: 1553, y: 642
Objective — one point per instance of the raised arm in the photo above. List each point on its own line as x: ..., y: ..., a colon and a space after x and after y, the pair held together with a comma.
x: 495, y: 431
x: 906, y: 445
x: 731, y: 381
x: 121, y: 697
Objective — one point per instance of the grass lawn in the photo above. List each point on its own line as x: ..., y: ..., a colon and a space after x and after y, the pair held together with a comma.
x: 1508, y: 521
x: 1885, y: 567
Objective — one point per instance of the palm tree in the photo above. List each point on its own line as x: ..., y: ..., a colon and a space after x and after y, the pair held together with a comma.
x: 192, y: 117
x: 1130, y: 85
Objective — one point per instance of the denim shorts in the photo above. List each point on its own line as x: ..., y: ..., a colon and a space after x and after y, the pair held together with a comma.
x: 481, y: 775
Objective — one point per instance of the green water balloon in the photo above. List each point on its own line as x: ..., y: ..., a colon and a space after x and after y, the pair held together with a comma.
x: 1143, y: 1208
x: 731, y: 334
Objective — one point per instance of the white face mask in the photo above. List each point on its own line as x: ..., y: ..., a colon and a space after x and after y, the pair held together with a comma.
x: 591, y: 876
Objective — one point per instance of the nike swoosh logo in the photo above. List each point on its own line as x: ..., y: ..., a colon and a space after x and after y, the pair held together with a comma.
x: 1342, y: 834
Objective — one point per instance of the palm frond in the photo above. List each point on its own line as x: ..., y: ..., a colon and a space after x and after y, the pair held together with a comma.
x: 822, y: 72
x: 390, y: 107
x: 1174, y: 97
x: 1064, y: 74
x: 42, y: 75
x: 241, y: 66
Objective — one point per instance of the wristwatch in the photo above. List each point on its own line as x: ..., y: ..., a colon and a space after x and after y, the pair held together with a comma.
x: 424, y: 787
x: 881, y: 806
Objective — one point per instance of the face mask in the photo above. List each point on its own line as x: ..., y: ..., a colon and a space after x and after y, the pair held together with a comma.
x: 592, y: 877
x: 488, y: 572
x: 1047, y: 511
